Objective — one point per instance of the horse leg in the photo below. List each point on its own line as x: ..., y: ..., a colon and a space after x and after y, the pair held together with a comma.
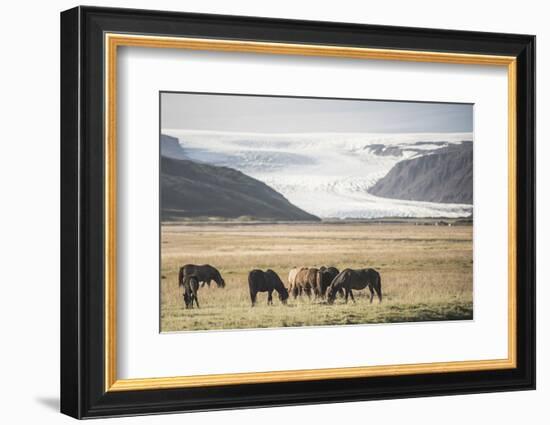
x: 308, y: 292
x: 253, y: 297
x: 195, y: 295
x: 371, y: 293
x: 269, y: 297
x: 351, y: 295
x: 347, y: 294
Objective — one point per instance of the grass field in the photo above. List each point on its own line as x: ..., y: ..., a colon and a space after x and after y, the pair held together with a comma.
x: 426, y: 272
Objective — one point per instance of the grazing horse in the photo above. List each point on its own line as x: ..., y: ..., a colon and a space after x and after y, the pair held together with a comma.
x: 349, y: 279
x: 204, y: 273
x: 305, y: 281
x: 268, y: 281
x: 324, y: 278
x: 292, y: 277
x: 190, y: 291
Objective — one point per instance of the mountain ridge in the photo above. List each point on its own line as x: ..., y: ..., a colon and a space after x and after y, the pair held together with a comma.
x: 326, y: 175
x: 191, y: 189
x: 444, y: 175
x: 170, y: 147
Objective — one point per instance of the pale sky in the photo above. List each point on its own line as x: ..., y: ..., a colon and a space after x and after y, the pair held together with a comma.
x: 262, y: 114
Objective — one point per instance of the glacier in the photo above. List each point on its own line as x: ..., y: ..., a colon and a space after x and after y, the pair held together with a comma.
x: 325, y: 174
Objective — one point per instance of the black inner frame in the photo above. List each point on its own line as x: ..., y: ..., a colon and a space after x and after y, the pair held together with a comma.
x: 82, y: 209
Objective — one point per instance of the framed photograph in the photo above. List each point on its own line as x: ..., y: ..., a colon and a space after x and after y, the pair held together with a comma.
x: 261, y: 212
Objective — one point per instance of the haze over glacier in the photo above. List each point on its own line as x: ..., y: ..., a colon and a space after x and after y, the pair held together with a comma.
x: 325, y: 174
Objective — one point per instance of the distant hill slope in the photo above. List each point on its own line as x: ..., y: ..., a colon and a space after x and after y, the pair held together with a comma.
x: 444, y: 175
x: 171, y: 148
x: 192, y: 189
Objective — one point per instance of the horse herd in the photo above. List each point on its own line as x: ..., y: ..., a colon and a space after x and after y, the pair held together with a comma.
x: 322, y: 282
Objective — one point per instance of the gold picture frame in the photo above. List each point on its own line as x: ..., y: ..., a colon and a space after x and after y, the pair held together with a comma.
x: 114, y: 41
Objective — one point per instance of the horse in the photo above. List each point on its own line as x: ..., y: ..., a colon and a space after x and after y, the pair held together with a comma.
x: 324, y: 278
x: 204, y: 273
x: 305, y: 281
x: 268, y: 281
x: 349, y: 279
x: 292, y: 277
x: 190, y: 291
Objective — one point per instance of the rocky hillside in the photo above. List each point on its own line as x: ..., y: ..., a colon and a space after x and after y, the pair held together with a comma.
x: 191, y: 189
x: 444, y: 175
x: 170, y: 147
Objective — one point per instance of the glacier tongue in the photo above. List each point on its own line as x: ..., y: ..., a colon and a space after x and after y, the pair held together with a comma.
x: 325, y: 174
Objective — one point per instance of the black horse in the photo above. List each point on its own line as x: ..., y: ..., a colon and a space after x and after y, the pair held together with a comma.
x: 268, y: 281
x: 190, y: 291
x: 349, y: 279
x: 204, y: 273
x: 325, y: 276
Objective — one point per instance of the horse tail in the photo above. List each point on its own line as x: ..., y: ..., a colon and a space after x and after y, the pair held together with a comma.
x: 252, y: 288
x: 180, y: 277
x: 318, y: 283
x: 378, y: 287
x: 291, y: 277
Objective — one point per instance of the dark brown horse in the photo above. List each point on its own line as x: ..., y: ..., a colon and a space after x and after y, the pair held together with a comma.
x: 324, y: 278
x: 349, y: 279
x: 268, y: 281
x: 190, y: 291
x: 204, y: 273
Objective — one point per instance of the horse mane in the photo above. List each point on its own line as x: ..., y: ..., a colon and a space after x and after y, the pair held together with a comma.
x: 278, y: 284
x: 338, y: 280
x: 217, y: 274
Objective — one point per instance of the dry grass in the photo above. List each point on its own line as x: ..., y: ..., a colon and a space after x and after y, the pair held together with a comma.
x: 426, y: 272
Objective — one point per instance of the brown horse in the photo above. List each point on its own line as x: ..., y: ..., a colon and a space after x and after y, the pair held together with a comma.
x: 305, y: 281
x: 349, y: 279
x: 190, y: 291
x: 204, y: 273
x: 292, y: 277
x: 324, y: 278
x: 268, y: 281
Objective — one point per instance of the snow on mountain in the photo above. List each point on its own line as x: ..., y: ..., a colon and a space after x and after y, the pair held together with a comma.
x: 326, y: 174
